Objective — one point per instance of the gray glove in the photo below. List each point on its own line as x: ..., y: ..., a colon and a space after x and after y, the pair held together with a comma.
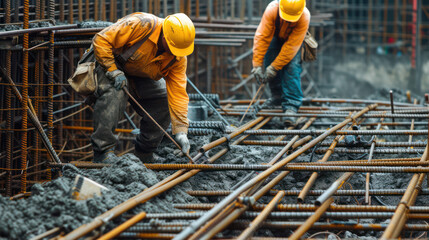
x: 118, y: 78
x: 258, y: 74
x: 182, y: 140
x: 270, y: 73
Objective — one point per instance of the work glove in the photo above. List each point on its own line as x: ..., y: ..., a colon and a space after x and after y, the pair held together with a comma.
x: 118, y: 78
x: 258, y: 74
x: 270, y: 73
x: 182, y: 140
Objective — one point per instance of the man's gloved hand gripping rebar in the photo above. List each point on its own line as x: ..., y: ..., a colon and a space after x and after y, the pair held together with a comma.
x: 258, y: 74
x: 183, y: 141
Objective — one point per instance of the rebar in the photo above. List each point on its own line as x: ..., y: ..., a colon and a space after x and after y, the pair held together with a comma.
x: 379, y: 192
x: 338, y: 132
x: 340, y: 144
x: 212, y: 97
x: 207, y: 124
x: 24, y: 99
x: 312, y: 207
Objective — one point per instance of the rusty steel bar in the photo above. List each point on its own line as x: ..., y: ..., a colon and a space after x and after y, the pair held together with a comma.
x: 397, y: 222
x: 86, y: 165
x: 289, y: 215
x: 51, y: 79
x: 333, y: 115
x: 281, y: 225
x: 311, y: 207
x: 127, y: 224
x: 381, y: 151
x: 338, y: 132
x: 334, y: 111
x: 256, y: 223
x: 239, y: 224
x: 202, y: 220
x: 293, y: 167
x: 375, y: 124
x: 311, y: 220
x: 339, y: 144
x: 364, y: 161
x: 371, y: 153
x: 49, y: 233
x: 34, y: 30
x: 284, y: 215
x: 372, y: 163
x: 25, y: 99
x: 147, y: 235
x: 331, y: 100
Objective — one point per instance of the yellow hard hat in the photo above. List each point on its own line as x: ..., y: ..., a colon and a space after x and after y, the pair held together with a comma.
x: 291, y: 10
x: 179, y: 33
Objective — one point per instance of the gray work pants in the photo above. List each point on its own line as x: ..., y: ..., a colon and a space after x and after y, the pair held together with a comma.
x: 110, y: 105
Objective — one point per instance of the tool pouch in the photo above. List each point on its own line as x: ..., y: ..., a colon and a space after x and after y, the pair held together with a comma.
x: 84, y: 79
x: 309, y: 51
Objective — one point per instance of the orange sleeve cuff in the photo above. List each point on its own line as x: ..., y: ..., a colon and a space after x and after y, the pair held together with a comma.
x: 112, y: 68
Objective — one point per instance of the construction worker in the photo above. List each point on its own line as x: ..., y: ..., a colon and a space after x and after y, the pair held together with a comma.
x: 155, y: 75
x: 276, y: 54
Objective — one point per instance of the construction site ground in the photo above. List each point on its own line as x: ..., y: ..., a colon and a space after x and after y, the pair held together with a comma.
x: 50, y: 204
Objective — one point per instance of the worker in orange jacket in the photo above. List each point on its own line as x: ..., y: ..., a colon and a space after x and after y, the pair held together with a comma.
x: 276, y: 49
x: 155, y: 75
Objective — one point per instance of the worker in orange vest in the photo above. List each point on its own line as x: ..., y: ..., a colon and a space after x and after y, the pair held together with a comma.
x: 276, y: 54
x: 154, y: 72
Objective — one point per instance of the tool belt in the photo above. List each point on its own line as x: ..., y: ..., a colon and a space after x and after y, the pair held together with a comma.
x: 84, y: 80
x: 309, y: 48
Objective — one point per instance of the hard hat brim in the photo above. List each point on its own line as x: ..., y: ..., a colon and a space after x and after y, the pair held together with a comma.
x: 181, y: 52
x: 289, y: 18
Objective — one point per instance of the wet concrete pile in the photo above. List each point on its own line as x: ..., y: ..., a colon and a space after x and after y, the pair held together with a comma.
x: 51, y: 205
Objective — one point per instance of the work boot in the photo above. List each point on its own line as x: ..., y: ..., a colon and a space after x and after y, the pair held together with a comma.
x: 103, y: 157
x: 289, y: 121
x: 146, y: 157
x: 270, y: 103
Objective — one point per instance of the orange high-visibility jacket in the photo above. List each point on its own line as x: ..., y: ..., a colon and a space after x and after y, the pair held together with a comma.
x: 292, y: 33
x: 144, y: 62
